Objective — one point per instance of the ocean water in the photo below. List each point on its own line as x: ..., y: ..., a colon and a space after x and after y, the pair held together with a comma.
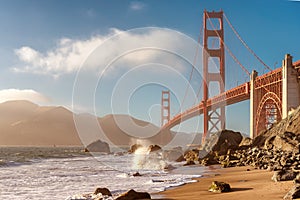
x: 63, y: 173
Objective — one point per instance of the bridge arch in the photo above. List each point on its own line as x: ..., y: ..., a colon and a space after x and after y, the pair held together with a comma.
x: 269, y: 111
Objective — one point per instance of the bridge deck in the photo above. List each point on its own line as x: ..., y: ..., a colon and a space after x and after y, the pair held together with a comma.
x: 234, y: 95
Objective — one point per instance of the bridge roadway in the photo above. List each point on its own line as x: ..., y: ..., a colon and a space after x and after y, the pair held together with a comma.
x: 234, y: 95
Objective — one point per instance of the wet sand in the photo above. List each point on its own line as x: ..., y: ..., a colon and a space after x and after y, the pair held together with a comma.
x: 253, y: 184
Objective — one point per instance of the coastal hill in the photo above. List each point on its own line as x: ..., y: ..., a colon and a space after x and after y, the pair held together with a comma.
x: 25, y: 123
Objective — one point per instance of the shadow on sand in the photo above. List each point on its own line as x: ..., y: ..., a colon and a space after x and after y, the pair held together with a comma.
x: 240, y: 189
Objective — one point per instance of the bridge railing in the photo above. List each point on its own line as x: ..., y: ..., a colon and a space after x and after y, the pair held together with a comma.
x: 269, y: 78
x: 230, y: 96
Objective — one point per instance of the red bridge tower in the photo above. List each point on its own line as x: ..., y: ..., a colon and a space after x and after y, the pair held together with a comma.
x: 165, y: 107
x: 214, y: 120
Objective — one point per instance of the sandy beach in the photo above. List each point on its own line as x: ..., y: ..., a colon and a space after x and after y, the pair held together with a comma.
x: 253, y: 184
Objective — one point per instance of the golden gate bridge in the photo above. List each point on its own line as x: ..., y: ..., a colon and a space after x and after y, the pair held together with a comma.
x: 272, y: 95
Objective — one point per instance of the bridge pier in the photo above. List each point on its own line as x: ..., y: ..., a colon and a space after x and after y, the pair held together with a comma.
x: 290, y: 86
x: 253, y: 103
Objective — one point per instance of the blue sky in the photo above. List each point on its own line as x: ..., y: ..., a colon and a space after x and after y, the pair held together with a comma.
x: 44, y: 43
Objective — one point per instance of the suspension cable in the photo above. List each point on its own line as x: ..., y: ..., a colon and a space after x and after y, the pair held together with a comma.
x: 198, y: 93
x: 244, y: 43
x: 191, y: 74
x: 199, y: 90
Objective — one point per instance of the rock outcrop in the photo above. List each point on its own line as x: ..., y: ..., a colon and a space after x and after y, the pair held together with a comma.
x: 134, y: 147
x: 105, y: 194
x: 191, y: 155
x: 98, y: 146
x: 227, y: 140
x: 136, y: 174
x: 219, y: 187
x: 274, y: 149
x: 284, y: 175
x: 154, y: 148
x: 103, y: 191
x: 294, y: 193
x: 219, y: 143
x: 132, y: 195
x: 245, y: 143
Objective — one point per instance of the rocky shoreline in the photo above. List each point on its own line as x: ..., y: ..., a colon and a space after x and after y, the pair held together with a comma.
x: 276, y: 149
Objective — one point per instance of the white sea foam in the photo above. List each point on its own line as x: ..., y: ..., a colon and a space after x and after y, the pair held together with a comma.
x: 143, y: 159
x: 64, y: 177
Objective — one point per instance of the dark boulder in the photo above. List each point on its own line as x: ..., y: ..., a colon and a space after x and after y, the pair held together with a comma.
x: 259, y: 141
x: 132, y: 195
x: 285, y: 142
x: 227, y: 139
x: 245, y: 143
x: 154, y: 148
x: 98, y: 146
x: 284, y: 175
x: 189, y: 162
x: 219, y: 187
x: 229, y: 163
x: 297, y: 179
x: 103, y: 191
x: 192, y: 155
x: 134, y: 147
x: 136, y: 174
x: 294, y: 193
x: 210, y: 159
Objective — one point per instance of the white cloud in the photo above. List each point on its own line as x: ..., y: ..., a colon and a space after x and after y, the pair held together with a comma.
x: 66, y: 57
x: 135, y: 47
x: 27, y: 54
x: 137, y: 5
x: 27, y: 94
